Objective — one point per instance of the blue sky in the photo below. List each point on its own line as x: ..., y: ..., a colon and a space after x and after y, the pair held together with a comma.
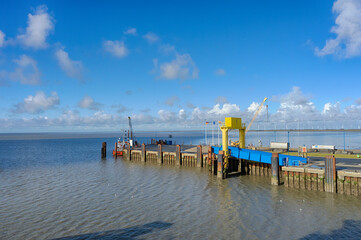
x: 87, y: 65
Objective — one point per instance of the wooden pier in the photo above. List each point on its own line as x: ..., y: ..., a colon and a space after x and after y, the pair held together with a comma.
x: 326, y: 179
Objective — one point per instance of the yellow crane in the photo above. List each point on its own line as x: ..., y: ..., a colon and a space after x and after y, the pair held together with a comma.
x: 256, y: 114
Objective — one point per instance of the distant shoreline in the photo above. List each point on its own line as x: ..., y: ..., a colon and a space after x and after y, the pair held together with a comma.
x: 156, y: 134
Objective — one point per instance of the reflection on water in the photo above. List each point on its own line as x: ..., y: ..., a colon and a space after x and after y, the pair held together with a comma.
x: 70, y: 193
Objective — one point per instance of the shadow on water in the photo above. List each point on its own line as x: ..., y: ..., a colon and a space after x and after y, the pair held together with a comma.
x: 351, y: 229
x: 125, y: 233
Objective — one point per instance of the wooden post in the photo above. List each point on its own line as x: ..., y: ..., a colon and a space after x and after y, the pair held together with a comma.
x: 129, y: 153
x: 160, y: 154
x: 178, y: 155
x: 116, y: 150
x: 275, y: 179
x: 143, y: 157
x: 104, y: 150
x: 199, y: 156
x: 220, y: 166
x: 330, y: 174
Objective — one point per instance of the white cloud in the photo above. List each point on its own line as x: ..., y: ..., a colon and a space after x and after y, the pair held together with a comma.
x: 166, y: 116
x: 331, y: 111
x: 171, y: 101
x: 347, y: 42
x: 295, y: 106
x: 72, y: 68
x: 182, y: 115
x: 182, y: 67
x: 116, y: 48
x: 220, y: 72
x: 88, y: 103
x: 253, y: 107
x: 39, y: 27
x: 226, y: 109
x: 27, y: 71
x: 37, y: 104
x: 131, y: 31
x: 2, y: 39
x: 151, y: 37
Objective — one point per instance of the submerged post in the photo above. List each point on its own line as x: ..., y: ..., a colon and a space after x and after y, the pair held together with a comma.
x: 199, y: 156
x: 220, y: 167
x: 160, y: 154
x: 275, y: 179
x: 143, y: 157
x: 104, y: 150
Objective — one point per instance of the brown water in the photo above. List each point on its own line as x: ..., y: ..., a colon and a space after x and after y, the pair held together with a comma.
x: 75, y: 195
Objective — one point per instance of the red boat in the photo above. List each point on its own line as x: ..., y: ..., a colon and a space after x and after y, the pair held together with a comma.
x: 119, y: 148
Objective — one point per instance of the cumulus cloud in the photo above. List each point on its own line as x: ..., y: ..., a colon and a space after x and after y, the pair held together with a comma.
x: 171, y: 101
x: 131, y: 31
x: 40, y: 24
x: 27, y: 71
x: 2, y: 39
x: 151, y: 37
x: 116, y: 48
x: 182, y: 67
x: 220, y: 72
x: 331, y: 111
x: 88, y: 103
x: 37, y: 104
x: 226, y: 109
x: 295, y: 106
x: 347, y: 42
x: 73, y: 69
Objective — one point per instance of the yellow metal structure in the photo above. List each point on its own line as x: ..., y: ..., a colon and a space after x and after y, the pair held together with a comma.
x: 256, y: 114
x: 233, y: 123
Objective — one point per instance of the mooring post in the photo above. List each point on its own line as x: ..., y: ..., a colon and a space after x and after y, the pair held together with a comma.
x: 275, y: 179
x: 199, y: 156
x: 220, y: 166
x: 210, y: 158
x: 160, y: 154
x: 104, y: 150
x: 178, y: 155
x: 143, y: 153
x: 129, y: 154
x: 330, y: 174
x: 116, y: 150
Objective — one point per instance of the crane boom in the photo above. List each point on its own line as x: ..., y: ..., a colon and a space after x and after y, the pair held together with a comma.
x: 256, y: 114
x: 130, y: 128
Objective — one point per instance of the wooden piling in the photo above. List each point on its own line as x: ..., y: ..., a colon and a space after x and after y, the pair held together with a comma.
x: 143, y: 157
x: 160, y: 154
x: 129, y: 155
x: 220, y: 166
x: 104, y: 150
x: 178, y: 156
x: 199, y: 156
x: 275, y: 179
x: 330, y: 174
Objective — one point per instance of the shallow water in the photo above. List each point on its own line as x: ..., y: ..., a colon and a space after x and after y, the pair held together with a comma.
x: 62, y: 189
